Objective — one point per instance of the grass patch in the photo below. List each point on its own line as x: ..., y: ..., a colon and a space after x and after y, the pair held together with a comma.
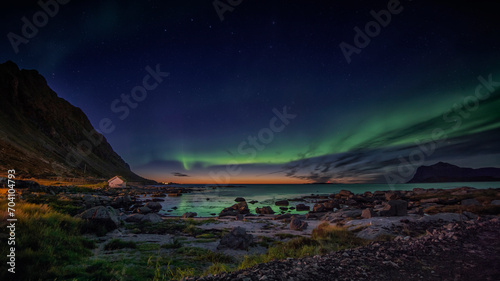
x: 206, y: 235
x: 62, y: 206
x: 116, y: 244
x: 325, y: 238
x: 207, y: 240
x: 201, y: 254
x: 175, y: 244
x: 218, y: 268
x: 285, y: 235
x: 46, y: 241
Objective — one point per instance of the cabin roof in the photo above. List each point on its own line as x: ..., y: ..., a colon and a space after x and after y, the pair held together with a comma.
x: 119, y: 177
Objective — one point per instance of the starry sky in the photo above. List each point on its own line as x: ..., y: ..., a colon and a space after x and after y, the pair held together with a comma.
x: 272, y: 91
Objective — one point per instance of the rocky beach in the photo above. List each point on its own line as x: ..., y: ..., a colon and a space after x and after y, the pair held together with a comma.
x: 434, y: 234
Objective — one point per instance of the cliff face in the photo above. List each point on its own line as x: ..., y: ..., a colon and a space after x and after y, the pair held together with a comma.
x: 44, y: 136
x: 444, y: 172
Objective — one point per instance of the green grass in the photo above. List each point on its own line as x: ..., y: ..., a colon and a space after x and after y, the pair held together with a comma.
x: 116, y: 244
x: 218, y: 268
x: 62, y: 206
x: 206, y: 255
x: 206, y: 235
x: 325, y: 238
x: 285, y: 235
x: 46, y: 241
x: 207, y: 240
x: 175, y: 244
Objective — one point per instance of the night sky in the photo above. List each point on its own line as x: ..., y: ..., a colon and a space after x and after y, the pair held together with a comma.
x: 273, y: 91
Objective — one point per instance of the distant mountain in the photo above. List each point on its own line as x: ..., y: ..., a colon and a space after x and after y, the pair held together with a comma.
x: 44, y: 136
x: 444, y: 172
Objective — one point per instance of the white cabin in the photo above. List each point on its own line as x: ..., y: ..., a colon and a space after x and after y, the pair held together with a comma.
x: 117, y: 182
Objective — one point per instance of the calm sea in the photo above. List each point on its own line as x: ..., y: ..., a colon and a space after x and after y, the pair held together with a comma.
x: 211, y: 201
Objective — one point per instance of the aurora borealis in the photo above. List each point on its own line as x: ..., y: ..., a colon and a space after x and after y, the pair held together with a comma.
x: 425, y: 89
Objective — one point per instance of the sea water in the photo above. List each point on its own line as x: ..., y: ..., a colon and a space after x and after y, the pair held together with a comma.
x: 209, y: 201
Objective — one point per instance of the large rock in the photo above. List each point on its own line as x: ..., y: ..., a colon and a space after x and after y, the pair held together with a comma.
x: 319, y: 208
x: 470, y: 202
x: 154, y: 206
x: 121, y: 202
x: 189, y: 215
x: 152, y: 218
x: 302, y: 207
x: 395, y: 208
x: 144, y: 210
x: 100, y: 215
x: 134, y: 218
x: 391, y: 196
x: 430, y: 200
x: 236, y: 209
x: 345, y: 193
x: 266, y: 210
x: 495, y: 202
x: 281, y: 203
x: 237, y: 239
x: 239, y: 199
x: 368, y: 213
x: 297, y: 224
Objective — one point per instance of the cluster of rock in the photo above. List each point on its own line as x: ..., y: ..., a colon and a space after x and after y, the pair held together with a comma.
x: 236, y: 239
x: 240, y: 208
x: 467, y: 250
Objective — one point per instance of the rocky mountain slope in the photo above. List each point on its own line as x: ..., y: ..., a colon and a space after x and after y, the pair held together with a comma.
x: 44, y: 136
x: 444, y: 172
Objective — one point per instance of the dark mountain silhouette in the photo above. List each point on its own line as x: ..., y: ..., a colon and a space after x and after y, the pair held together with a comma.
x: 444, y: 172
x: 44, y: 136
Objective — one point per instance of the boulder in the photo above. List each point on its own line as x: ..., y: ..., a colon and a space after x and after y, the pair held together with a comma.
x: 236, y: 239
x: 134, y: 218
x: 330, y: 205
x: 395, y: 208
x: 281, y: 203
x: 283, y: 217
x: 470, y: 202
x: 302, y: 207
x: 239, y: 208
x: 417, y: 211
x: 100, y: 215
x: 189, y: 215
x: 154, y: 206
x: 368, y: 213
x: 121, y: 202
x: 152, y: 218
x: 266, y: 210
x: 239, y: 199
x: 297, y: 224
x: 33, y: 185
x: 345, y: 193
x: 144, y: 210
x: 495, y: 202
x: 391, y: 196
x: 319, y: 208
x: 430, y: 200
x: 445, y: 217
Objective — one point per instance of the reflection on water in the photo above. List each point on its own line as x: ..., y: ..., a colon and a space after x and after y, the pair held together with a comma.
x: 212, y: 201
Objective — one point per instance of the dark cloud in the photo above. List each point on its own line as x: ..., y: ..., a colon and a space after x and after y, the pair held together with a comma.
x: 180, y: 174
